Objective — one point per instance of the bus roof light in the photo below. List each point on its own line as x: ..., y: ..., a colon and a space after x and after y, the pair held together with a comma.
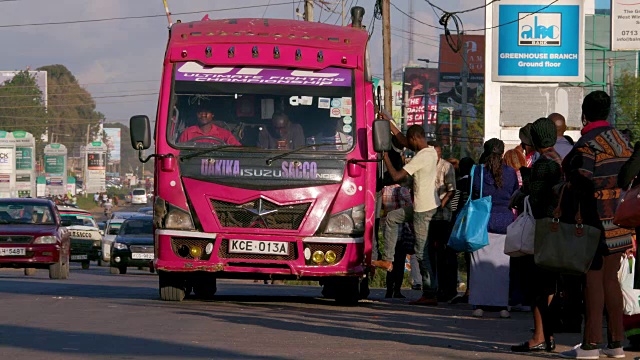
x: 298, y: 55
x: 254, y: 52
x: 320, y: 56
x: 344, y: 60
x: 276, y: 53
x: 184, y: 53
x: 231, y: 53
x: 207, y: 52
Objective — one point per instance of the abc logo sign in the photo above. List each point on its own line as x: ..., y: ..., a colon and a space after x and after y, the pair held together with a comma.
x: 539, y: 29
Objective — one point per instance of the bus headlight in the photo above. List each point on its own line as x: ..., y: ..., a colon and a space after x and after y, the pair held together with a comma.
x: 348, y: 222
x: 178, y: 219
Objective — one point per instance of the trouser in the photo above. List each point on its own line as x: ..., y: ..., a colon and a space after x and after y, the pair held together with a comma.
x: 416, y: 278
x: 421, y: 221
x: 444, y: 260
x: 396, y: 277
x: 602, y: 290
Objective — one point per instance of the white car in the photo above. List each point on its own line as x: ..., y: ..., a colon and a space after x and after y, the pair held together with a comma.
x: 86, y: 237
x: 139, y: 196
x: 110, y: 232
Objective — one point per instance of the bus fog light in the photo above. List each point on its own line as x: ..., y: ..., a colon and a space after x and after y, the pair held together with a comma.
x: 209, y: 249
x: 195, y: 251
x: 307, y: 253
x: 318, y: 257
x: 330, y: 256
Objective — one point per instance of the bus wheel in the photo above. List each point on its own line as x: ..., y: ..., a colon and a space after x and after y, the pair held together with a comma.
x: 172, y: 286
x: 204, y: 285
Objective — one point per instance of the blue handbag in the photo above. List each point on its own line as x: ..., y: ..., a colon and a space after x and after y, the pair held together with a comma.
x: 470, y: 230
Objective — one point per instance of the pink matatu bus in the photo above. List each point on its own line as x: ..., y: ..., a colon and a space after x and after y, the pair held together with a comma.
x: 265, y: 156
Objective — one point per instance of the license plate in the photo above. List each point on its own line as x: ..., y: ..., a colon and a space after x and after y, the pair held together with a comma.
x: 147, y: 256
x: 258, y: 247
x: 80, y: 234
x: 12, y: 251
x: 79, y: 257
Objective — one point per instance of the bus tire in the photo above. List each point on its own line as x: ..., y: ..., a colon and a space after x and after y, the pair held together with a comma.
x: 347, y: 291
x: 172, y: 286
x: 204, y: 285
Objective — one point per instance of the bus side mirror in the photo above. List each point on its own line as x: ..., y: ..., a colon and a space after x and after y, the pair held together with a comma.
x: 140, y: 132
x: 381, y: 136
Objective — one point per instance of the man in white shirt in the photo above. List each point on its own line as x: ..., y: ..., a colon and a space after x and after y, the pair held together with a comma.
x: 562, y: 146
x: 425, y: 204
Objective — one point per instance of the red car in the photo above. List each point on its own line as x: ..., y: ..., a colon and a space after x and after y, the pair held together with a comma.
x: 32, y: 236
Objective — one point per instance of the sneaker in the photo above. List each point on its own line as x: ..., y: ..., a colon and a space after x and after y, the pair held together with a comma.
x: 477, y: 313
x: 617, y: 353
x: 416, y: 287
x: 578, y: 353
x: 504, y: 314
x: 387, y: 265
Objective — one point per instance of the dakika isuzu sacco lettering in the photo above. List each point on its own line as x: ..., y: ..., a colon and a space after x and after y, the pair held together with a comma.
x: 264, y: 161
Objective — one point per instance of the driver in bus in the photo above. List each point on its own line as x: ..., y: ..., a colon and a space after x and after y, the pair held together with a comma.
x: 206, y: 130
x: 282, y: 134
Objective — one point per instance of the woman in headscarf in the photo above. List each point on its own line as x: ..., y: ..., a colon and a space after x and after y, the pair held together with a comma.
x: 489, y: 285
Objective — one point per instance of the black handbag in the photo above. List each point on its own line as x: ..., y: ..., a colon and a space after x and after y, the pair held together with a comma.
x: 564, y: 247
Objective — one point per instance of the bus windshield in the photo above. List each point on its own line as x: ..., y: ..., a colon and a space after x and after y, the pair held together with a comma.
x: 260, y: 109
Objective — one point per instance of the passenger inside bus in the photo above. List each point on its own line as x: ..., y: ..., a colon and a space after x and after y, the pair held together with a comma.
x: 332, y: 134
x: 206, y: 131
x: 281, y: 134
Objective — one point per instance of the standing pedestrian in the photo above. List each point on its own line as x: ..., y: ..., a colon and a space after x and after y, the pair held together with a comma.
x: 591, y: 169
x: 422, y: 168
x: 489, y: 285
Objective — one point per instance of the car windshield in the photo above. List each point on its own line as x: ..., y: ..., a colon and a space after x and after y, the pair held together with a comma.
x: 257, y: 109
x: 137, y: 227
x: 79, y: 219
x: 114, y: 229
x: 15, y: 212
x: 138, y: 192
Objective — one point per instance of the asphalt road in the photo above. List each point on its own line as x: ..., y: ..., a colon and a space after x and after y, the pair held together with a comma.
x: 97, y: 315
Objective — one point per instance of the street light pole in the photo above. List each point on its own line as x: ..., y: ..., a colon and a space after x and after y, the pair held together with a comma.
x: 450, y: 109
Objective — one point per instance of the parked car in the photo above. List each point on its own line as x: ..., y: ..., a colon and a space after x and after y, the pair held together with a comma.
x: 110, y: 234
x: 86, y: 240
x: 147, y: 210
x: 133, y: 246
x: 33, y: 236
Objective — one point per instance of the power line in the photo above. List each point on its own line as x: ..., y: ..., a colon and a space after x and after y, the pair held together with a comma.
x: 71, y: 105
x: 51, y: 96
x: 143, y: 16
x: 83, y: 84
x: 516, y: 20
x: 411, y: 17
x: 265, y: 9
x: 419, y: 42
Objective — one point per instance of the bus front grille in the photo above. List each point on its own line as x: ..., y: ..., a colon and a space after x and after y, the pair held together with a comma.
x: 260, y: 214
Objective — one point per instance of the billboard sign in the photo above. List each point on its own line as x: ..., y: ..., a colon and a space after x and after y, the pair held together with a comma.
x: 538, y: 42
x: 113, y: 143
x: 95, y: 167
x: 420, y: 87
x: 55, y: 168
x: 625, y: 25
x: 451, y: 63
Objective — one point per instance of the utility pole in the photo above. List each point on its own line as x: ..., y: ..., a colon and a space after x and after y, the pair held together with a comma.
x: 450, y: 109
x: 308, y: 10
x: 464, y: 118
x: 411, y: 17
x: 386, y: 52
x: 610, y: 83
x: 342, y: 13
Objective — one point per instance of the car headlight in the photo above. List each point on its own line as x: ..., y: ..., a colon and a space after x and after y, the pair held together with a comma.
x: 46, y: 240
x: 178, y: 219
x: 348, y: 222
x: 96, y: 243
x: 119, y: 246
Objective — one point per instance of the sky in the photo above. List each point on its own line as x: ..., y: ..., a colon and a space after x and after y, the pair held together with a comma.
x: 124, y: 57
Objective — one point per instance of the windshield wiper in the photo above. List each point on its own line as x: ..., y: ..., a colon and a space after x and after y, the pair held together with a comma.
x: 272, y: 159
x: 202, y: 152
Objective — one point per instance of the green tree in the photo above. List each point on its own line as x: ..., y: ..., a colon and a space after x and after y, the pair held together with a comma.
x: 72, y: 110
x: 22, y: 106
x: 627, y: 103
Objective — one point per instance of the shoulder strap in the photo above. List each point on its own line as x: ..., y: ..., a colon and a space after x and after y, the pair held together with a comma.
x: 473, y: 170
